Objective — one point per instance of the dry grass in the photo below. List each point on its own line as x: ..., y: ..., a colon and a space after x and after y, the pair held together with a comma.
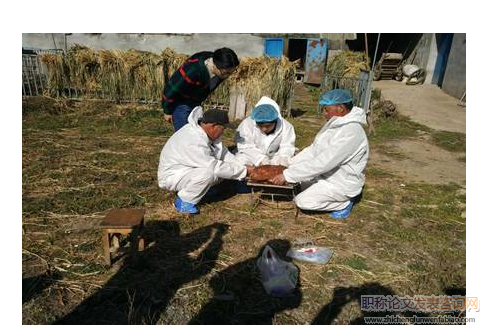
x: 92, y: 156
x: 264, y: 76
x: 348, y: 64
x: 138, y: 75
x: 57, y: 70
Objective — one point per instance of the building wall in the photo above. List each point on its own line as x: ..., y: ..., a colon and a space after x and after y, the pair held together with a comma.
x: 454, y: 82
x: 423, y: 50
x: 243, y: 44
x: 429, y: 58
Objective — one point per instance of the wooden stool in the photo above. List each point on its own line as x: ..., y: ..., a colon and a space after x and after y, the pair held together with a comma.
x: 128, y: 222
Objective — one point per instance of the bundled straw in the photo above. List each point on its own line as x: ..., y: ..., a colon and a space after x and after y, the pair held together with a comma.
x: 83, y: 67
x: 112, y: 74
x: 143, y: 74
x: 139, y: 75
x: 348, y: 64
x: 171, y: 62
x: 58, y: 71
x: 264, y: 76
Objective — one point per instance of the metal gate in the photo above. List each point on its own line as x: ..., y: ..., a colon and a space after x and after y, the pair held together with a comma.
x: 34, y: 78
x: 34, y: 73
x: 360, y: 87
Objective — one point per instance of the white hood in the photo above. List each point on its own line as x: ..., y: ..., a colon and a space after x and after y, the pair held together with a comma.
x: 267, y: 100
x: 195, y: 115
x: 255, y: 147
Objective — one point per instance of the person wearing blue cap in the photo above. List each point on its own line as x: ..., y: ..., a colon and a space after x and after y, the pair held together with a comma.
x: 332, y: 169
x: 265, y: 137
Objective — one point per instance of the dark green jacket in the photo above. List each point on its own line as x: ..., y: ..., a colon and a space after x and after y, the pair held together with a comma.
x: 189, y: 85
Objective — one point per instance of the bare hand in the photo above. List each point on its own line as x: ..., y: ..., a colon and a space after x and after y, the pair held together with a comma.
x: 278, y: 180
x: 168, y: 117
x: 249, y: 170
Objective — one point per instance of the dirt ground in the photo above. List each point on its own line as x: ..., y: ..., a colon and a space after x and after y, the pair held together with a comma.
x: 426, y: 104
x: 421, y: 161
x: 405, y: 237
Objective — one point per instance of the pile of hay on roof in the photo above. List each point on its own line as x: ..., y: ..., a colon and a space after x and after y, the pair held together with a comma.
x: 139, y: 75
x: 348, y: 64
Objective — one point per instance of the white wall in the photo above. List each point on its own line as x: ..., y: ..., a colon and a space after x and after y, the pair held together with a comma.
x: 432, y: 60
x: 243, y: 44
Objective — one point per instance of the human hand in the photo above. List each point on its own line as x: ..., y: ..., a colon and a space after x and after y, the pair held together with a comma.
x: 278, y: 180
x: 249, y: 170
x: 168, y: 117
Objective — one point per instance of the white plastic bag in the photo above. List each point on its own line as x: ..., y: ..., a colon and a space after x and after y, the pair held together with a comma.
x: 279, y: 277
x: 409, y: 70
x: 305, y: 250
x: 316, y: 255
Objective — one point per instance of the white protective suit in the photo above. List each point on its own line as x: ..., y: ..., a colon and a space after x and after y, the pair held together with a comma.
x: 190, y: 163
x: 255, y: 147
x: 331, y: 170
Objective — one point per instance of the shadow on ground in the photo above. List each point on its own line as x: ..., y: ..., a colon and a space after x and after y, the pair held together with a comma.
x: 143, y: 287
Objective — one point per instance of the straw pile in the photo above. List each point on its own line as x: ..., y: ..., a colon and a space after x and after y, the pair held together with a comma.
x: 83, y: 66
x: 264, y: 76
x: 139, y: 75
x: 57, y: 69
x: 348, y: 64
x: 112, y: 73
x: 143, y: 74
x: 171, y: 61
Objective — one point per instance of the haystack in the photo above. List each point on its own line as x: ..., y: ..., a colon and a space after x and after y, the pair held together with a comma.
x: 171, y: 61
x: 348, y: 64
x: 140, y: 75
x: 83, y: 67
x: 143, y: 73
x: 264, y: 76
x: 58, y: 73
x: 112, y: 74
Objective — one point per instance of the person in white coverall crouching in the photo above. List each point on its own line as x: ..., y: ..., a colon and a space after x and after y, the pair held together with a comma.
x: 332, y: 169
x: 265, y: 137
x: 194, y: 159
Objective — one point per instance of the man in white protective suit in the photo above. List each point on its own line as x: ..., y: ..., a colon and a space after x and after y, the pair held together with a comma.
x: 332, y: 169
x: 265, y: 137
x: 194, y: 159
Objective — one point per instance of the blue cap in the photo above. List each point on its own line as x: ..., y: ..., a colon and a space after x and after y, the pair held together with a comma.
x: 335, y: 97
x: 264, y: 113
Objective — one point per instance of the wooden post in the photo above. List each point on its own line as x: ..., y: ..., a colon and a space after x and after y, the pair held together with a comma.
x: 106, y: 246
x: 141, y: 244
x: 286, y: 46
x: 240, y: 112
x: 366, y: 43
x: 232, y: 105
x: 116, y: 241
